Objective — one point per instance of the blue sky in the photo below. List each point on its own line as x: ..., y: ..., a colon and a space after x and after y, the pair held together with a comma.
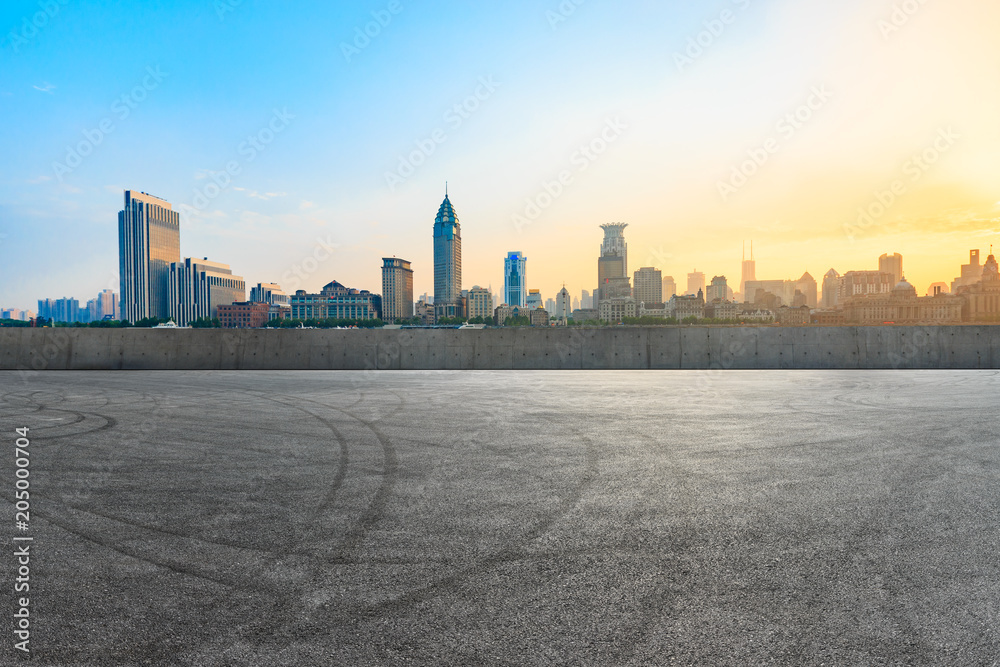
x: 538, y: 81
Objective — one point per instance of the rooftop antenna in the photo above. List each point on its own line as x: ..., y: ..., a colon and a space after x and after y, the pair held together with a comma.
x: 446, y: 188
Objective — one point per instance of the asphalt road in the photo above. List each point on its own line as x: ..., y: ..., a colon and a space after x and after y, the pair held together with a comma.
x: 508, y: 518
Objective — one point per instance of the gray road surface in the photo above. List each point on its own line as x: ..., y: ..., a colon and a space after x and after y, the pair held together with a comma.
x: 508, y: 518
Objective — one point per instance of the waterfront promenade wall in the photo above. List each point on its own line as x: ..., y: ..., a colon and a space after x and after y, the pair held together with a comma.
x: 683, y: 347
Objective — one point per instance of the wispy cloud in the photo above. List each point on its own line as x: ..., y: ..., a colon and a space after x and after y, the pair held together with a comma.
x: 254, y: 194
x: 46, y: 88
x: 41, y: 179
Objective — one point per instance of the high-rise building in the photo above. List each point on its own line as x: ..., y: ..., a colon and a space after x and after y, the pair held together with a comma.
x: 197, y: 287
x: 749, y: 271
x: 696, y: 282
x: 586, y: 301
x: 669, y: 288
x: 831, y: 289
x: 647, y: 287
x: 60, y: 310
x: 971, y: 272
x: 550, y: 305
x: 892, y: 264
x: 447, y: 262
x: 480, y: 303
x: 534, y: 299
x: 108, y: 305
x: 269, y: 293
x: 515, y: 267
x: 149, y: 240
x: 613, y: 262
x: 807, y: 285
x: 719, y: 289
x: 397, y: 289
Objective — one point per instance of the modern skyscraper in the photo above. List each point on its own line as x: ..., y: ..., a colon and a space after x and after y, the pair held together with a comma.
x: 719, y: 289
x: 696, y: 282
x: 534, y: 299
x: 831, y: 289
x: 892, y: 264
x: 197, y: 287
x: 108, y: 303
x: 647, y: 287
x: 586, y: 301
x: 515, y: 267
x: 749, y: 270
x: 613, y: 262
x: 807, y: 286
x: 669, y: 288
x: 447, y: 262
x: 149, y: 239
x: 397, y: 289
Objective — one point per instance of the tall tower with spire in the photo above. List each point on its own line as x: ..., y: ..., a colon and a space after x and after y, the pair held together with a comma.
x: 447, y: 262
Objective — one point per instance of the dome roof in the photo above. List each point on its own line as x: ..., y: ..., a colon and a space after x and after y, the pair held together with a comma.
x: 904, y: 287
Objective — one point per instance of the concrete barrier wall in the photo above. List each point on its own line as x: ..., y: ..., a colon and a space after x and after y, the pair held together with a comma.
x: 494, y: 349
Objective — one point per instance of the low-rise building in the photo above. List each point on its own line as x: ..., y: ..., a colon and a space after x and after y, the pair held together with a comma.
x: 723, y: 310
x: 903, y: 306
x: 793, y: 317
x: 683, y: 307
x: 616, y: 309
x: 335, y: 302
x: 244, y: 315
x: 756, y: 315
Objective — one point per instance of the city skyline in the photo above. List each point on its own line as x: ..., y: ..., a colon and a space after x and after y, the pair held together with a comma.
x: 868, y: 118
